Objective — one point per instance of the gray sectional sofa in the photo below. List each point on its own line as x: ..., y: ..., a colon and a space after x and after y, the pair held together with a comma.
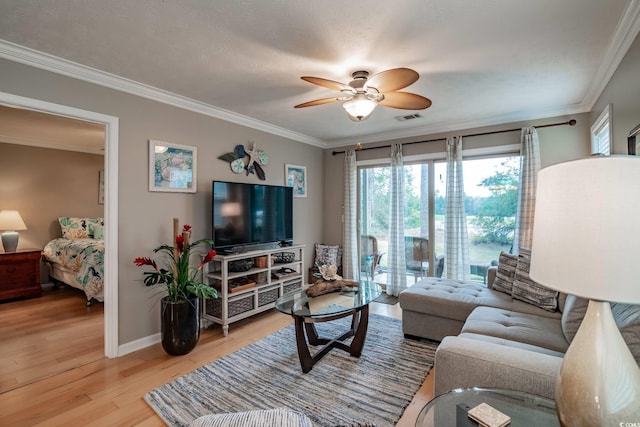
x: 490, y: 339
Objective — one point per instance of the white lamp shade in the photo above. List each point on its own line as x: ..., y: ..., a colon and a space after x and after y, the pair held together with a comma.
x: 360, y: 107
x: 587, y: 228
x: 11, y: 220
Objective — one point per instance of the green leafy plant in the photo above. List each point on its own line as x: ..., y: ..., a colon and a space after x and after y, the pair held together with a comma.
x: 179, y: 277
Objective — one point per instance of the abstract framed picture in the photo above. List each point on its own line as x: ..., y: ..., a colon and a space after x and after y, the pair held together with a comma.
x: 296, y: 177
x: 172, y: 167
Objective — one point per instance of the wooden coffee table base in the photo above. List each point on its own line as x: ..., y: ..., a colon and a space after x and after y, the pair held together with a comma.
x: 306, y: 331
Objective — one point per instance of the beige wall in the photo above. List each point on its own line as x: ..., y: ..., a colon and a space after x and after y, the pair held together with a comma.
x: 557, y: 144
x: 145, y: 218
x: 623, y: 92
x: 44, y: 184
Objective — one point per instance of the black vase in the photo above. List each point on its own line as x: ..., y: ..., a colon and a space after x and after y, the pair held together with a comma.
x: 180, y: 322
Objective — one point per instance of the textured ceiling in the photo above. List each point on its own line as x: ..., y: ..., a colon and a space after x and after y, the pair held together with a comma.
x: 480, y: 62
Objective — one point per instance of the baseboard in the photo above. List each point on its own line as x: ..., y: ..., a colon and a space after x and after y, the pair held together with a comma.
x: 138, y: 344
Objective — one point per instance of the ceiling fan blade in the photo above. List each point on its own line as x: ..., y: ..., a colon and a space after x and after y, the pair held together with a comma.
x: 316, y: 102
x: 394, y: 79
x: 405, y: 101
x: 327, y: 83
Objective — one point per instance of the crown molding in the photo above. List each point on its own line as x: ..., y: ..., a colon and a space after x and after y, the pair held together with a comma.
x: 624, y: 35
x: 44, y: 61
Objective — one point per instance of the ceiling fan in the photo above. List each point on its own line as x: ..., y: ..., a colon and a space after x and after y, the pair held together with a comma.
x: 364, y: 93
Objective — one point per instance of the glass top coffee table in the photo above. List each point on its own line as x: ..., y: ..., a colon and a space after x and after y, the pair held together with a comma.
x: 306, y: 311
x: 524, y: 409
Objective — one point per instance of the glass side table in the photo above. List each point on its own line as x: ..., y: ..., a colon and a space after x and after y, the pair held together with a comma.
x: 525, y: 409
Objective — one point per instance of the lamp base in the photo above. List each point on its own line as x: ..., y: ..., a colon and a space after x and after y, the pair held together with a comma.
x: 10, y: 241
x: 599, y: 382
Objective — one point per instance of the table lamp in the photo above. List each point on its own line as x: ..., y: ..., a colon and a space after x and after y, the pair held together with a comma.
x: 586, y: 242
x: 10, y: 222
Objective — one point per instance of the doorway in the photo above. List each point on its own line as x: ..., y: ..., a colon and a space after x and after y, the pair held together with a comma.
x: 111, y: 123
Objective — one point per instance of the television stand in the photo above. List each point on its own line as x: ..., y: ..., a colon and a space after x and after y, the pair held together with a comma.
x: 242, y: 294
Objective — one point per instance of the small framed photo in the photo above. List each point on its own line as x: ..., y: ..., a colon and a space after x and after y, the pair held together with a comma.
x: 296, y: 177
x: 172, y: 167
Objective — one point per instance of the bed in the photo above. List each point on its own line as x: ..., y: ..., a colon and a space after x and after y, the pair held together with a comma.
x: 77, y: 258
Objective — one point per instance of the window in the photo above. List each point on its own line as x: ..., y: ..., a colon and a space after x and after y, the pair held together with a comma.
x: 601, y: 134
x: 491, y: 197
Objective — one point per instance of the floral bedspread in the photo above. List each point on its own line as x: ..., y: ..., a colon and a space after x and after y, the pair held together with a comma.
x: 85, y: 257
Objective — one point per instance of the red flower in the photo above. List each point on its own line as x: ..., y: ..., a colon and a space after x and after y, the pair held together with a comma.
x: 180, y: 242
x: 187, y: 228
x: 140, y: 261
x: 210, y: 255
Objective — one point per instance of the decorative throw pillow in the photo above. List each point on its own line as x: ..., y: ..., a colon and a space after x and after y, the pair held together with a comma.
x: 78, y: 228
x: 327, y: 254
x: 98, y: 232
x: 506, y: 273
x: 527, y: 290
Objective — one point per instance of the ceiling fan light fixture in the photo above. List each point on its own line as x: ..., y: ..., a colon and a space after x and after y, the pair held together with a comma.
x: 359, y: 108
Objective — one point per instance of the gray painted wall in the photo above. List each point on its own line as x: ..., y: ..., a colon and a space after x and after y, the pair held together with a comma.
x: 623, y: 92
x: 145, y: 218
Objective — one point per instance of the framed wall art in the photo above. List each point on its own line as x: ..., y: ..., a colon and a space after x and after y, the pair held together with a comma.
x: 172, y: 167
x: 296, y: 177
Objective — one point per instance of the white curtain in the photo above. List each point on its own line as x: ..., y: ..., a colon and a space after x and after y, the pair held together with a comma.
x: 457, y: 265
x: 397, y: 278
x: 529, y: 167
x: 350, y: 269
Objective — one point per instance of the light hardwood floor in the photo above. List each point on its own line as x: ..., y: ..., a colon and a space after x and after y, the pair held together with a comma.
x: 109, y: 392
x: 44, y: 336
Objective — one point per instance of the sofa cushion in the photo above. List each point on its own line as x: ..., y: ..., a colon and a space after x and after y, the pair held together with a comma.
x: 562, y: 299
x: 574, y: 311
x: 540, y: 331
x: 449, y: 298
x: 511, y: 343
x: 506, y: 273
x: 456, y: 299
x: 525, y: 289
x: 627, y: 318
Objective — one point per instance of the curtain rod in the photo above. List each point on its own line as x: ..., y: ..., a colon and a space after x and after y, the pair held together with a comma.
x: 571, y: 122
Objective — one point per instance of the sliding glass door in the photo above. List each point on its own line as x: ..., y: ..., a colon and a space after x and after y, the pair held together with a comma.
x: 491, y: 189
x: 491, y: 195
x: 374, y: 214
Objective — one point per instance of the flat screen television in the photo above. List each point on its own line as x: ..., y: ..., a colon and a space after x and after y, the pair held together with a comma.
x: 250, y: 214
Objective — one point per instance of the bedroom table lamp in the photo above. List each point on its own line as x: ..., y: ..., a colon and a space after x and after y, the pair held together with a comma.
x: 10, y: 223
x: 586, y: 242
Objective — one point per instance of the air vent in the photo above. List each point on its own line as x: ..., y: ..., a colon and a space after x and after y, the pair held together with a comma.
x: 408, y: 117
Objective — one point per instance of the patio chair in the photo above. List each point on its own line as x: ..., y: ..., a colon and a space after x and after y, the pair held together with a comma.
x: 370, y: 257
x: 416, y: 256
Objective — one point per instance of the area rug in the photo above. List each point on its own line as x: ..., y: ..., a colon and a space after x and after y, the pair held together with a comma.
x: 339, y: 390
x: 385, y: 298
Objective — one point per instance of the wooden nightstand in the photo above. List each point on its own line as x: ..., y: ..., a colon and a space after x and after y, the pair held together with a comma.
x: 20, y: 274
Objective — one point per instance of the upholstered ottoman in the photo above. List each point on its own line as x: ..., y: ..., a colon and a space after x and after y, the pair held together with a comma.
x: 434, y: 308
